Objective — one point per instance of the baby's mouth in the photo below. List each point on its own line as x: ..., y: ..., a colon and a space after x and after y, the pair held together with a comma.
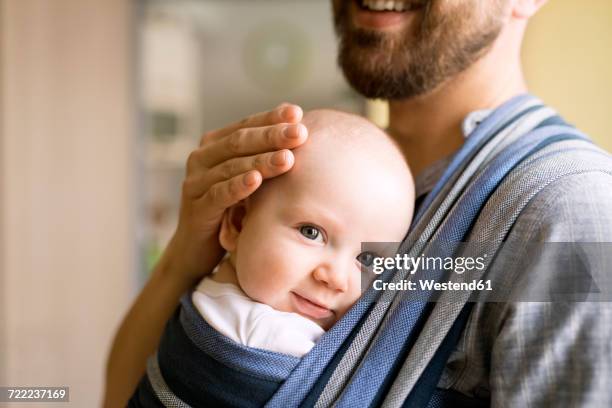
x: 310, y: 308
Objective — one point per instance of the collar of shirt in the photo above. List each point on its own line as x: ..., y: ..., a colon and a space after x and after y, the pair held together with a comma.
x: 427, y: 179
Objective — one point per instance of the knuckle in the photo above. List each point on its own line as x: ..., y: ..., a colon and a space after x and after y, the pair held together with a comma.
x: 234, y: 189
x: 259, y: 162
x: 225, y: 170
x: 236, y: 167
x: 214, y: 194
x: 228, y: 169
x: 234, y: 141
x: 269, y: 136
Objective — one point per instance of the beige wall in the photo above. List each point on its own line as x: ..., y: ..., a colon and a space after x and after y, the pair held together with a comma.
x: 66, y: 166
x: 3, y: 305
x: 568, y: 63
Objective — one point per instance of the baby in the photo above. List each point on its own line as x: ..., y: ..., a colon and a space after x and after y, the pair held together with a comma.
x: 294, y: 262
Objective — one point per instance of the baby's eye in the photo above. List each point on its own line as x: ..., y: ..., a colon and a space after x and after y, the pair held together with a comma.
x: 311, y: 232
x: 366, y: 258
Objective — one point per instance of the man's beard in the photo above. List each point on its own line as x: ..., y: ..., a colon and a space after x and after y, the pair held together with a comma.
x: 404, y: 65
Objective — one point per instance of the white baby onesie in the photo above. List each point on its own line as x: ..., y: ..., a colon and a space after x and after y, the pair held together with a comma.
x: 232, y: 313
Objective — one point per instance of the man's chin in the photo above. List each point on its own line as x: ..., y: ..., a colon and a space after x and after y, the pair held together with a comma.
x: 381, y: 82
x: 370, y: 72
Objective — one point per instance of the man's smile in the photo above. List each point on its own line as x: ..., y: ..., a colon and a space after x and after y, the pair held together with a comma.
x: 390, y: 5
x: 384, y: 13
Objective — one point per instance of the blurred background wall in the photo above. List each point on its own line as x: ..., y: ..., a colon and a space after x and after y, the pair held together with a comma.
x: 203, y: 65
x: 568, y: 63
x: 67, y: 175
x: 100, y: 101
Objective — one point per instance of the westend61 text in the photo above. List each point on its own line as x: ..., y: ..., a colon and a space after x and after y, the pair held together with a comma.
x: 430, y: 284
x: 408, y: 263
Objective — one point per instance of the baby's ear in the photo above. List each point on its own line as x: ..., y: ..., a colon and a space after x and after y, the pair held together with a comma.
x: 231, y: 226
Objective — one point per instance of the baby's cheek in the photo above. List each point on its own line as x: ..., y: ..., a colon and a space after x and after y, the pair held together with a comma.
x: 265, y: 275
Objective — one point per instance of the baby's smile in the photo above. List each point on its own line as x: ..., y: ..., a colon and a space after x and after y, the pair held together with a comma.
x: 309, y: 308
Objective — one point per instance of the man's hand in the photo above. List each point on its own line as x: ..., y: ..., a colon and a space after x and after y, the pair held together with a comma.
x: 228, y: 166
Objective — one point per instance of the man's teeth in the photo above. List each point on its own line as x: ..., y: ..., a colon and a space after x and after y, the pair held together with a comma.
x: 385, y: 5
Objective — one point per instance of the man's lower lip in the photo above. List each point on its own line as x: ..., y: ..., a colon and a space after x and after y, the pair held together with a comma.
x: 378, y: 19
x: 309, y: 309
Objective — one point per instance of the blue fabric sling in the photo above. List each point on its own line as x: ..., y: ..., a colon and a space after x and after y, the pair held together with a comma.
x: 367, y: 386
x: 196, y: 366
x: 406, y: 317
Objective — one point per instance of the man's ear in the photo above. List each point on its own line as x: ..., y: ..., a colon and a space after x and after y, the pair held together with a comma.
x: 231, y: 226
x: 526, y: 8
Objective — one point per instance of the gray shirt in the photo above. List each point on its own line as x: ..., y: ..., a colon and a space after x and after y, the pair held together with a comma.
x: 540, y: 354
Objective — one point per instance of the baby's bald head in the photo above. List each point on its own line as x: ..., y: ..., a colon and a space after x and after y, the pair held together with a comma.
x: 348, y: 144
x: 348, y: 157
x: 348, y: 131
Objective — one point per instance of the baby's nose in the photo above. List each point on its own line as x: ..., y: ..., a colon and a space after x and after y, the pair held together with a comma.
x: 333, y: 275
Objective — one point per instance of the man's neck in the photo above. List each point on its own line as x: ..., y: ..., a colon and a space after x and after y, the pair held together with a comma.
x: 428, y: 128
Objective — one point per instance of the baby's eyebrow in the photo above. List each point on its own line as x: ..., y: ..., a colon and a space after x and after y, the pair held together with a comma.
x: 319, y: 215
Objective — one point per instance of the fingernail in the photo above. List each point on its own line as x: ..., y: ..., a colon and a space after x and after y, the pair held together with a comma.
x: 250, y: 178
x: 279, y: 158
x: 291, y: 132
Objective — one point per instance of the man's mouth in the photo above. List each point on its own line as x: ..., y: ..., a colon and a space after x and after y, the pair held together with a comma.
x: 385, y: 14
x: 310, y: 308
x: 390, y: 5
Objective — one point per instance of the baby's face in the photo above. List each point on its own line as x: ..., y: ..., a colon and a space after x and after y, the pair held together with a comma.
x: 299, y: 244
